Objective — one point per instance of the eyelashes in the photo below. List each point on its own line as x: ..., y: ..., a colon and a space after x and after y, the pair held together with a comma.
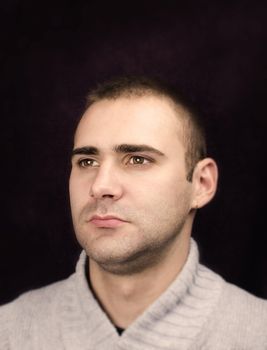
x: 87, y: 162
x: 139, y: 160
x: 132, y: 160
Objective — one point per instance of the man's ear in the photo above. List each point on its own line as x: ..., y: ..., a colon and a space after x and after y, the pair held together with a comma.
x: 204, y: 180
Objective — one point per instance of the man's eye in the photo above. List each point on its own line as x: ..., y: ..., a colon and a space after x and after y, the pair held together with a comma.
x: 85, y: 163
x: 138, y: 160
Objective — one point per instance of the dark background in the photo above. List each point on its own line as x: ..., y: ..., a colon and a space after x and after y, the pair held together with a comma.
x: 52, y: 52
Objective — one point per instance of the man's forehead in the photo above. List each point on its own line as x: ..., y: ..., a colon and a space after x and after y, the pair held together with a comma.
x: 150, y: 121
x: 139, y: 114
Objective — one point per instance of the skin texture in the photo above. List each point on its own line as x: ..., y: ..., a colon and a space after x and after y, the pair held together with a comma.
x: 147, y: 190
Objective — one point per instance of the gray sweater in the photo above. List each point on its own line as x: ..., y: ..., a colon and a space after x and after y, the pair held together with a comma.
x: 198, y: 311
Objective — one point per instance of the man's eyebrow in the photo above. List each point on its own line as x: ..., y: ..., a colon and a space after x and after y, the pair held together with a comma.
x: 87, y: 150
x: 130, y: 148
x: 123, y: 148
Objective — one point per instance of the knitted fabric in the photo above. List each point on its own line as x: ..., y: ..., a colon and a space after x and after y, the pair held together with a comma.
x: 198, y: 311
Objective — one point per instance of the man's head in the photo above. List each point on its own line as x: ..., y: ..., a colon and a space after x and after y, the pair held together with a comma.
x: 132, y: 199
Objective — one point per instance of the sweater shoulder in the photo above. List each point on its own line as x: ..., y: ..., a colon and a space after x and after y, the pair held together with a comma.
x: 42, y: 297
x: 29, y: 307
x: 240, y: 320
x: 240, y: 305
x: 5, y: 323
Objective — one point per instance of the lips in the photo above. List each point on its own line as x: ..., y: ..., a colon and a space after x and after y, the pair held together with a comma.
x: 107, y: 221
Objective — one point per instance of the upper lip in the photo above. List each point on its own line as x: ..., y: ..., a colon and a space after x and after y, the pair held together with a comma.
x: 106, y: 217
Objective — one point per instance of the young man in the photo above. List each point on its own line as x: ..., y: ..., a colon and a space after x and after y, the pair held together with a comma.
x: 139, y: 173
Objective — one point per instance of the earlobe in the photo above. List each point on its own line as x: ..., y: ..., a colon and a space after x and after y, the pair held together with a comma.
x: 205, y: 179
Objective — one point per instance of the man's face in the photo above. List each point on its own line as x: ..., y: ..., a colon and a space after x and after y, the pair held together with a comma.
x: 130, y: 199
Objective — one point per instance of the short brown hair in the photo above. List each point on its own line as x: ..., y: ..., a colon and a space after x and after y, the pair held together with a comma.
x: 139, y: 86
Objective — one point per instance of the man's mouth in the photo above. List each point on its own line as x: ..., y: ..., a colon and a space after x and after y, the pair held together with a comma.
x: 106, y: 221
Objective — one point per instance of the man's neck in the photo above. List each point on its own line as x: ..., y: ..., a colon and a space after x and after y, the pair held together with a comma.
x: 125, y: 297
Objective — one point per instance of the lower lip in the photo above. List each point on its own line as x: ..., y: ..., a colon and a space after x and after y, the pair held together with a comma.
x: 108, y: 223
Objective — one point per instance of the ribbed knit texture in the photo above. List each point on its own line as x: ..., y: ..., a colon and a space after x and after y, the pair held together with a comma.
x: 199, y: 311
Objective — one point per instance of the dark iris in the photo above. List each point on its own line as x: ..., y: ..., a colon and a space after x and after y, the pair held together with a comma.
x: 86, y: 162
x: 138, y: 160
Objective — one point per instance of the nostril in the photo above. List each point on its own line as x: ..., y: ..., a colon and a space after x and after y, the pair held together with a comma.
x: 108, y: 196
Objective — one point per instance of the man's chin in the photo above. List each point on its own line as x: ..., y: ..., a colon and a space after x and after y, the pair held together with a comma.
x: 124, y: 262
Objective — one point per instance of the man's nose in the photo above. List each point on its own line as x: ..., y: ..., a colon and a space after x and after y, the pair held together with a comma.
x: 106, y: 183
